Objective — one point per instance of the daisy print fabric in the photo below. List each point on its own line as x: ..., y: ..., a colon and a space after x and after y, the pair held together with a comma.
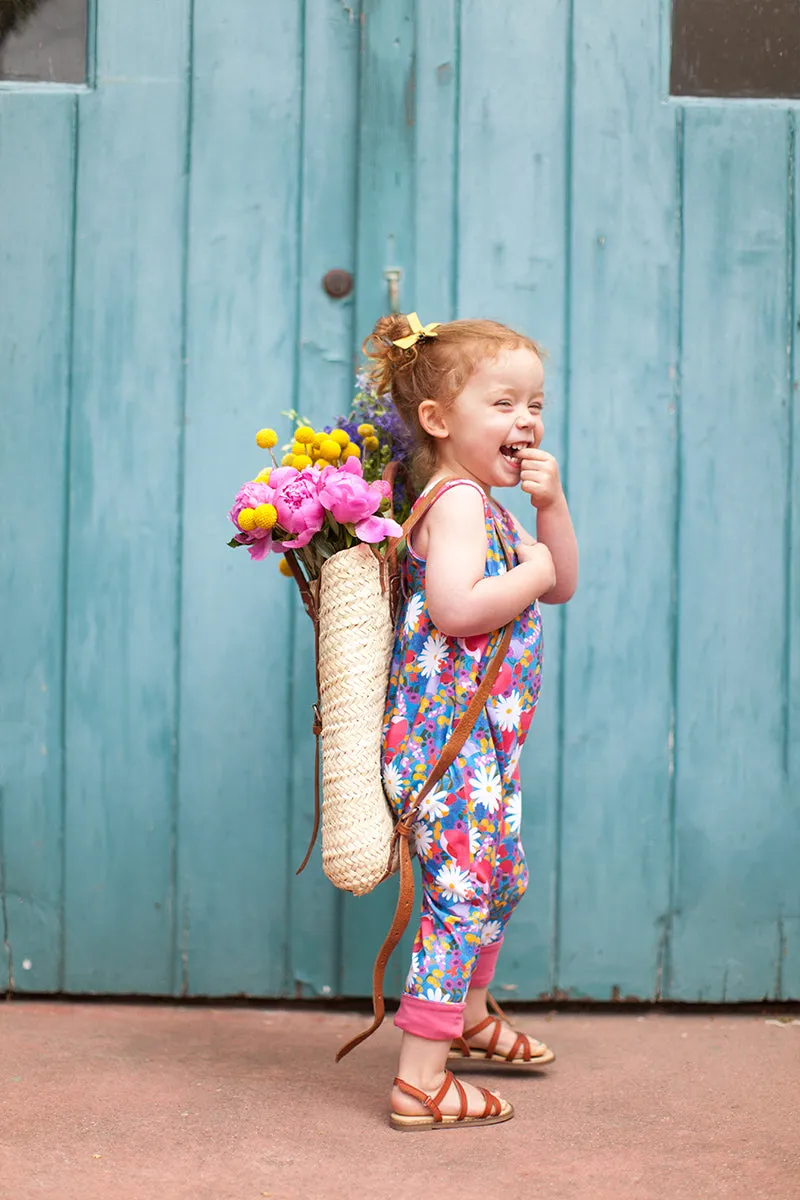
x: 467, y: 831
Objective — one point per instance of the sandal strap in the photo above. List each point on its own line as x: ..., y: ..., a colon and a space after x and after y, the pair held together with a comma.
x: 491, y: 1106
x: 432, y: 1102
x: 468, y: 1033
x: 521, y: 1050
x: 522, y: 1043
x: 423, y: 1097
x: 461, y: 1046
x: 496, y: 1024
x: 463, y: 1103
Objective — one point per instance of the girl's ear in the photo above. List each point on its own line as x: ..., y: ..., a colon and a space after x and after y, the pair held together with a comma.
x: 431, y: 418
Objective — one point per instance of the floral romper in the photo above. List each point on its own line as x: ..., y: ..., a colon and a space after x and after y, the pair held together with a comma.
x: 467, y: 834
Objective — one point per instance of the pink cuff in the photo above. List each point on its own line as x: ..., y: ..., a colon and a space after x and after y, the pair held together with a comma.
x: 483, y: 974
x: 430, y: 1018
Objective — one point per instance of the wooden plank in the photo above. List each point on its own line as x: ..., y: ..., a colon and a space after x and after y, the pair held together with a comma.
x: 325, y: 389
x: 124, y: 506
x: 235, y: 729
x: 737, y: 836
x: 386, y: 238
x: 790, y: 977
x: 615, y: 852
x: 36, y: 208
x: 512, y: 241
x: 436, y: 158
x: 386, y: 165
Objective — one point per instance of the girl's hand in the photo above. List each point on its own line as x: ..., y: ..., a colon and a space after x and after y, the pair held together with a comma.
x: 540, y: 477
x: 539, y: 554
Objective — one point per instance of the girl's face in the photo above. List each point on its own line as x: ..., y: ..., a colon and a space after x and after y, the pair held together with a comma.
x: 498, y: 411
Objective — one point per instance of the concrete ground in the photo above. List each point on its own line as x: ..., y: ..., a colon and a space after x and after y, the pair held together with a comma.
x: 135, y: 1102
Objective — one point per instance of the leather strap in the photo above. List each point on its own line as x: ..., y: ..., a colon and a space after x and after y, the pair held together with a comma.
x: 490, y: 1000
x: 311, y: 608
x: 402, y: 915
x: 432, y: 1102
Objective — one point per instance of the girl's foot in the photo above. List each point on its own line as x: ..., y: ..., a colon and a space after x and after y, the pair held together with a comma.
x: 494, y: 1039
x: 445, y: 1102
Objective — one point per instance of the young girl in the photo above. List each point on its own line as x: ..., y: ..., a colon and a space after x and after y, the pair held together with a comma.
x: 472, y: 392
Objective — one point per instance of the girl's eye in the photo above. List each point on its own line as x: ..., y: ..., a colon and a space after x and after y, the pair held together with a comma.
x: 502, y: 403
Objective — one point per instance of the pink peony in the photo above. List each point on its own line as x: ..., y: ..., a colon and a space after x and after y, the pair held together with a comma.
x: 348, y: 496
x: 297, y: 502
x: 375, y: 529
x: 250, y: 496
x: 259, y: 548
x: 258, y: 541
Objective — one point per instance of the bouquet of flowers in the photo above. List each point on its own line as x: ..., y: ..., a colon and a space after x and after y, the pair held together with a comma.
x: 327, y: 508
x: 328, y: 492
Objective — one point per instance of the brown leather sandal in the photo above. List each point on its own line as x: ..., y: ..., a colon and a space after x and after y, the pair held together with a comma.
x: 494, y: 1111
x: 526, y: 1051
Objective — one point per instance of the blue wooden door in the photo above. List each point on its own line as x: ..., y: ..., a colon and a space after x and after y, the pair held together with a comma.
x: 163, y: 234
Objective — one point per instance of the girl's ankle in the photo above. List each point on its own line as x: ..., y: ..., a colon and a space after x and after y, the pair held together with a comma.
x: 474, y: 1016
x: 426, y: 1083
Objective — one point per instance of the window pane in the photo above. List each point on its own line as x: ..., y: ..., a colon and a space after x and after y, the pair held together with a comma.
x: 736, y: 48
x: 43, y: 40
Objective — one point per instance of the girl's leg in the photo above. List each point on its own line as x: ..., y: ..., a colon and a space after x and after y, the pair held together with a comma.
x: 422, y: 1064
x: 454, y: 911
x: 512, y: 881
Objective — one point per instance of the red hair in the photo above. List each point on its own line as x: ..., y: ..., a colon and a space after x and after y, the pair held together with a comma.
x: 435, y: 368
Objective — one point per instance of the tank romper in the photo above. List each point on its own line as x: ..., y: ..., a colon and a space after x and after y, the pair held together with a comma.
x: 467, y: 833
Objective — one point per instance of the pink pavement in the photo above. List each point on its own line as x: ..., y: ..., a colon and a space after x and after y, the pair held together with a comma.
x: 110, y: 1101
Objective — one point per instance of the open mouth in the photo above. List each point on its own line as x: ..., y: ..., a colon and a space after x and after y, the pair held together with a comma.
x: 511, y: 451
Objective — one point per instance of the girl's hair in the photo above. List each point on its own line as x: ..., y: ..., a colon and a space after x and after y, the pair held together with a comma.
x: 435, y: 368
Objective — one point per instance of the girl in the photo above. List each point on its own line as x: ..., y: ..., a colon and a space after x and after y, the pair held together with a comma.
x: 472, y: 392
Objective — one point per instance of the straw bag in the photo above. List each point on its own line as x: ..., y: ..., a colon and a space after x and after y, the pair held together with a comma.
x: 353, y: 605
x: 350, y: 607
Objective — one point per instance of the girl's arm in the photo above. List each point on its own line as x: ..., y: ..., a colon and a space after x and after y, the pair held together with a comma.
x: 462, y: 601
x: 540, y: 478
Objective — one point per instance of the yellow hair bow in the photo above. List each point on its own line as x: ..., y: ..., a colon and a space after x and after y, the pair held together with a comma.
x: 418, y: 331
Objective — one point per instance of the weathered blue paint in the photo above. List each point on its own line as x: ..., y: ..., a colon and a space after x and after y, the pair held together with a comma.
x: 123, y: 506
x: 736, y: 813
x: 162, y: 252
x: 624, y: 314
x: 36, y: 212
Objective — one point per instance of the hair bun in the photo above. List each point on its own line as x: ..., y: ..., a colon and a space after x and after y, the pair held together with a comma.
x: 385, y: 358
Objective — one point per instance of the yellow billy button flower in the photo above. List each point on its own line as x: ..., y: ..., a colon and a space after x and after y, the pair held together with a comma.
x: 265, y: 516
x: 263, y: 476
x: 330, y: 449
x: 247, y: 519
x: 341, y: 436
x: 366, y: 430
x: 298, y: 448
x: 286, y: 461
x: 266, y: 439
x: 300, y: 461
x: 371, y: 443
x: 352, y: 451
x: 284, y: 568
x: 304, y: 434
